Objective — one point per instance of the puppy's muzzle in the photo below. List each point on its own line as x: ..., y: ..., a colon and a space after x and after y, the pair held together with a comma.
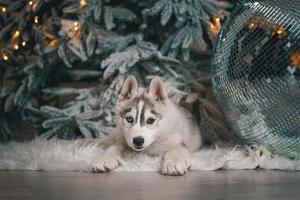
x: 138, y: 142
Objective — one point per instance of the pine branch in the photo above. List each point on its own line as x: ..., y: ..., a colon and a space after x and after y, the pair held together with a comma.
x: 46, y: 43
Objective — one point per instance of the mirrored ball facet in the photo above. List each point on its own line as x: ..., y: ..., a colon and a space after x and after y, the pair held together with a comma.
x: 256, y: 74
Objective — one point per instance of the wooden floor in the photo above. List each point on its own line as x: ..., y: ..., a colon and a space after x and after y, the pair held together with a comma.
x: 219, y: 185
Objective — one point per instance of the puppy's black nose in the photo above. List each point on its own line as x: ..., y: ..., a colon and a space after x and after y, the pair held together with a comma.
x: 138, y: 141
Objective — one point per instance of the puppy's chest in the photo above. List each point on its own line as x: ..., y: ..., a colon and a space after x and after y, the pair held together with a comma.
x: 155, y: 149
x: 161, y: 146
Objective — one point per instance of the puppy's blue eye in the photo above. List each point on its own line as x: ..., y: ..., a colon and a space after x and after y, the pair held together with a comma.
x: 150, y: 121
x: 129, y: 119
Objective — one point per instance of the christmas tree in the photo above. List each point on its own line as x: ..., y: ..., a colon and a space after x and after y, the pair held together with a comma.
x: 63, y: 62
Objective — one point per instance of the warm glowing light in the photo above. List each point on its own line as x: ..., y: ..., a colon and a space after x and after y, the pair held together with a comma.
x: 16, y: 34
x: 53, y: 43
x: 16, y: 47
x: 251, y: 26
x: 281, y: 30
x: 295, y: 59
x: 82, y: 3
x: 217, y: 19
x: 24, y: 43
x: 3, y: 9
x: 76, y: 28
x: 36, y: 19
x: 30, y: 3
x: 214, y: 26
x: 5, y: 57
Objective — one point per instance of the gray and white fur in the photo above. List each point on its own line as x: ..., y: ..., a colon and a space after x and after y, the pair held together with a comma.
x: 148, y: 121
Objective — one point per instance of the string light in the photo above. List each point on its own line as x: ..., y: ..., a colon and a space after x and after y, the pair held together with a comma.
x: 295, y: 59
x: 281, y: 30
x: 36, y: 19
x: 82, y: 3
x: 251, y: 26
x: 3, y: 9
x: 5, y: 56
x: 30, y: 3
x: 76, y: 28
x: 216, y: 20
x: 53, y: 43
x: 16, y: 46
x: 215, y: 26
x: 16, y: 34
x: 24, y: 43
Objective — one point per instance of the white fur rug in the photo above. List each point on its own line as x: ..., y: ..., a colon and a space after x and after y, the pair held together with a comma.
x: 71, y: 156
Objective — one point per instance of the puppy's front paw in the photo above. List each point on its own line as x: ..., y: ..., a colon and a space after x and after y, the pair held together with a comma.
x: 173, y: 168
x: 107, y: 163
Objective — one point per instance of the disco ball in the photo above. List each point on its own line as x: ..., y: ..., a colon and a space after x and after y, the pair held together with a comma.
x: 256, y: 74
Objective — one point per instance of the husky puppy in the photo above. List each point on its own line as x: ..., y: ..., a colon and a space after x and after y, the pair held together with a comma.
x: 148, y: 121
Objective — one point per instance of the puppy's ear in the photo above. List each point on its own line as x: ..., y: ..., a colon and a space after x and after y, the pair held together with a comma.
x: 157, y: 90
x: 129, y: 88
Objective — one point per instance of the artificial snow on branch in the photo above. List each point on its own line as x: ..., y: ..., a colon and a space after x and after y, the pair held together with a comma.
x: 63, y: 63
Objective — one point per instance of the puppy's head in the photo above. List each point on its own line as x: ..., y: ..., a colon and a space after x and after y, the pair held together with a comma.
x: 140, y: 112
